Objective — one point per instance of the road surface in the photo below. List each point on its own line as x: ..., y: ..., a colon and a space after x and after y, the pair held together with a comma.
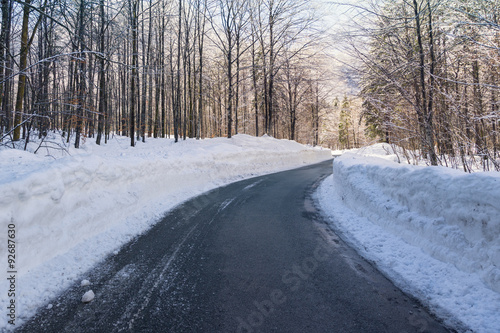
x: 253, y: 256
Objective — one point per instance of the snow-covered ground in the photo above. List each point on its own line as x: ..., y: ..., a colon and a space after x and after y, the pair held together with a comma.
x: 434, y: 231
x: 70, y: 211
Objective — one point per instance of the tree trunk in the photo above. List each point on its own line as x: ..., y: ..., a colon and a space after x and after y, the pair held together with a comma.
x: 270, y: 89
x: 254, y: 81
x: 133, y: 80
x: 102, y: 75
x: 229, y: 105
x: 426, y: 114
x: 81, y: 74
x: 4, y: 51
x: 177, y: 111
x: 21, y: 85
x: 201, y: 37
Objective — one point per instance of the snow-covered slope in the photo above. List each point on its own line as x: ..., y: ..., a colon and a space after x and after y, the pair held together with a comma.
x: 69, y: 212
x: 435, y: 230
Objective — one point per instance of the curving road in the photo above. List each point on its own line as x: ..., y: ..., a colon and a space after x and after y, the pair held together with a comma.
x: 253, y: 256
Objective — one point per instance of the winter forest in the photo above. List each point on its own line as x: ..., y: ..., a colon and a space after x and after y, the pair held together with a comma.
x: 156, y: 68
x: 430, y: 72
x: 425, y: 73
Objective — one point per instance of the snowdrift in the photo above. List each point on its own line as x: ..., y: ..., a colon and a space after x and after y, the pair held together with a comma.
x: 69, y: 212
x: 433, y: 231
x: 450, y: 215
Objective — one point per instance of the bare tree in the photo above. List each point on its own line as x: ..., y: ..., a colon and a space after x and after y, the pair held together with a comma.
x: 134, y: 26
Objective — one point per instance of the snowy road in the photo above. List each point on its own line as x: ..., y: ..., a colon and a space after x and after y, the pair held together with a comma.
x: 254, y: 256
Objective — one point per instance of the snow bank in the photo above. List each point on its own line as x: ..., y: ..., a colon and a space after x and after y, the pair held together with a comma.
x: 450, y: 216
x: 70, y: 212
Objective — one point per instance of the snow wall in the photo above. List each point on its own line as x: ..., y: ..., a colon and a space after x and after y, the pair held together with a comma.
x: 62, y: 203
x: 450, y: 215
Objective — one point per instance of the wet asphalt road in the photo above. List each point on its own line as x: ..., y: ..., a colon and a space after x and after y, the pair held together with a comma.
x: 253, y: 256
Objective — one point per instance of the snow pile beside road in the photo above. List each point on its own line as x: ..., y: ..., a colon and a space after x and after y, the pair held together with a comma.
x: 435, y: 230
x: 71, y: 211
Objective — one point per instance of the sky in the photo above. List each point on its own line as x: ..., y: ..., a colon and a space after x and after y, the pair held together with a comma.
x: 337, y: 19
